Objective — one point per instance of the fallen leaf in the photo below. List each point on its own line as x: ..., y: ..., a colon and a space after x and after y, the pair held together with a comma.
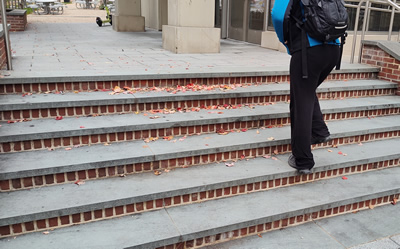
x: 394, y: 201
x: 340, y: 153
x: 361, y: 144
x: 166, y: 170
x: 168, y: 138
x: 81, y: 127
x: 157, y: 173
x: 258, y: 132
x: 274, y: 158
x: 259, y: 235
x: 59, y: 117
x: 267, y: 156
x: 271, y: 138
x: 46, y: 232
x: 371, y: 206
x: 344, y: 178
x: 154, y: 117
x: 79, y: 182
x: 330, y: 150
x: 68, y: 148
x: 229, y: 164
x: 122, y: 175
x: 243, y: 130
x: 334, y: 146
x: 242, y: 157
x: 276, y: 152
x: 107, y: 144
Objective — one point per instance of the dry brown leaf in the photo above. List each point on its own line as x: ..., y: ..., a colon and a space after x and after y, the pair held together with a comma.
x: 46, y: 232
x: 157, y: 173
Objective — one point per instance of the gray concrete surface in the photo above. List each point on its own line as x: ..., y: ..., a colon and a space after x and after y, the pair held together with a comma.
x: 62, y: 52
x: 328, y: 233
x: 202, y: 219
x: 70, y: 198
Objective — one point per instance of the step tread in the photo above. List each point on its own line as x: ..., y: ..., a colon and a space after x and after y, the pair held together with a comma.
x: 49, y: 128
x: 69, y: 199
x: 188, y: 222
x: 360, y: 228
x: 38, y: 101
x: 13, y: 165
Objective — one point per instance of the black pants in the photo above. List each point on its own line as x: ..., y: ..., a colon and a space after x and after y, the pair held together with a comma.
x: 305, y: 113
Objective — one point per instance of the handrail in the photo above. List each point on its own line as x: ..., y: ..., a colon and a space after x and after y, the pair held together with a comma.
x: 395, y: 8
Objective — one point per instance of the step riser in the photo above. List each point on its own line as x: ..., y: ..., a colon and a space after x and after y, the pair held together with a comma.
x: 98, y: 173
x: 69, y: 141
x: 259, y: 229
x: 99, y: 85
x: 82, y: 111
x: 132, y: 208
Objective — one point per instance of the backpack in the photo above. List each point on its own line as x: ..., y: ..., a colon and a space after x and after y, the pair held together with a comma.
x: 324, y: 20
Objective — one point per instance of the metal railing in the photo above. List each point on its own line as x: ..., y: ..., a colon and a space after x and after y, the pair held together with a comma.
x: 393, y: 8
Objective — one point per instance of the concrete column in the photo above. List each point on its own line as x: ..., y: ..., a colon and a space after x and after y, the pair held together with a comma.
x: 190, y: 27
x: 155, y: 13
x: 127, y: 16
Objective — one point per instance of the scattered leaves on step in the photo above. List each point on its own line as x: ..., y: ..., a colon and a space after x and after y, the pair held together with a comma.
x: 344, y: 178
x: 79, y: 182
x: 59, y: 118
x: 106, y: 144
x: 182, y: 138
x: 334, y: 146
x: 271, y: 138
x: 371, y: 206
x: 243, y: 130
x: 360, y: 144
x: 154, y: 117
x: 229, y: 164
x: 222, y: 132
x: 122, y: 175
x: 354, y: 212
x: 242, y: 157
x: 258, y: 132
x: 330, y: 150
x: 340, y: 153
x: 167, y: 170
x: 168, y: 138
x: 267, y: 156
x: 68, y: 148
x: 157, y: 173
x: 46, y: 232
x: 259, y: 235
x: 150, y: 139
x: 274, y: 158
x: 26, y: 94
x: 50, y: 149
x: 276, y: 152
x: 394, y: 201
x: 81, y: 127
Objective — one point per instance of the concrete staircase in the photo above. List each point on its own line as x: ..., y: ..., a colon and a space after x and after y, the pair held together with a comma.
x: 185, y: 163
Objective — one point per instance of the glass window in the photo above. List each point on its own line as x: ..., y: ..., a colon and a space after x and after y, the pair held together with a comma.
x: 256, y: 18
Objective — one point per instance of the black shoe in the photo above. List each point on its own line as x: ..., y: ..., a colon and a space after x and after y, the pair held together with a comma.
x: 292, y: 163
x: 320, y: 140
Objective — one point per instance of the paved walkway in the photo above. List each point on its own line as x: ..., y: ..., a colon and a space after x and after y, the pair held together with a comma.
x: 72, y: 45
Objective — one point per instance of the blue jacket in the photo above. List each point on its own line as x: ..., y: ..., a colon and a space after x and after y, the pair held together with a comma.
x: 285, y: 27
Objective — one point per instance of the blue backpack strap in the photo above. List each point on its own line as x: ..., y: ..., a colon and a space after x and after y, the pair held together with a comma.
x: 280, y: 19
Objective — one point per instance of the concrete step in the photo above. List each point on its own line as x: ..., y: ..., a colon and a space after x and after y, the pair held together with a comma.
x: 372, y: 228
x: 15, y: 107
x: 99, y: 161
x: 49, y: 133
x: 223, y: 219
x: 84, y: 82
x: 59, y: 205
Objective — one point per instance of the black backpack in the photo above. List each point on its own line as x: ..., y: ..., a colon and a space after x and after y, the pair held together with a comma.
x: 324, y: 20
